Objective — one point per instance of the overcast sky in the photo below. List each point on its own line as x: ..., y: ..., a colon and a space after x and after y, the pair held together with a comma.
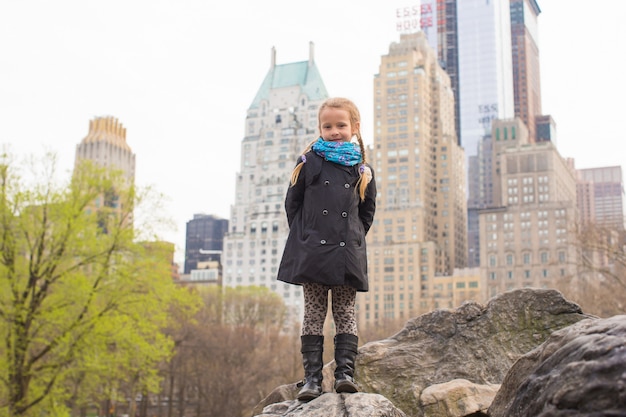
x: 180, y: 75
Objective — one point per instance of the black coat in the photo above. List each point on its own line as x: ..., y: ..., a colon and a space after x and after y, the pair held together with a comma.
x: 327, y: 226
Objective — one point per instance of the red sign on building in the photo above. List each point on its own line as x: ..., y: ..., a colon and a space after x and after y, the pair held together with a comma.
x: 414, y: 18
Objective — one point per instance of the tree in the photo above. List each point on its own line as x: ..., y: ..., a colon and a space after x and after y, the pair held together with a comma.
x: 231, y: 356
x: 82, y: 302
x: 600, y: 285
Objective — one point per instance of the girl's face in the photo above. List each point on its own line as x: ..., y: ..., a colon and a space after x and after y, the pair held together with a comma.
x: 335, y: 125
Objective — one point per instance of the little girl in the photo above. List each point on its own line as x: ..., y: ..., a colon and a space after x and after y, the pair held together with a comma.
x: 330, y: 207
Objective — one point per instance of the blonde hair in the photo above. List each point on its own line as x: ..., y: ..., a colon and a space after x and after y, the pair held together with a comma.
x: 341, y: 103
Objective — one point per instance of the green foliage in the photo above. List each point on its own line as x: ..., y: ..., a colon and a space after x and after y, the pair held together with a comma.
x: 82, y: 303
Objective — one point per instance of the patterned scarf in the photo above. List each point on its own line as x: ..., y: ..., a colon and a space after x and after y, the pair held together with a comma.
x: 342, y: 153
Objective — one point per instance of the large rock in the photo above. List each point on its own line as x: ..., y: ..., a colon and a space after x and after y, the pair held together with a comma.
x: 457, y: 398
x: 335, y: 405
x: 473, y: 342
x: 579, y: 371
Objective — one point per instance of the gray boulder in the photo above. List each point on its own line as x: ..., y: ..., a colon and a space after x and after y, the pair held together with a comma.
x: 475, y: 343
x: 579, y: 371
x: 335, y: 405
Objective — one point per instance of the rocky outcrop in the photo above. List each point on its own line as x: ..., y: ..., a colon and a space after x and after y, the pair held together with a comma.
x: 457, y: 398
x: 475, y: 344
x: 336, y: 405
x: 579, y: 371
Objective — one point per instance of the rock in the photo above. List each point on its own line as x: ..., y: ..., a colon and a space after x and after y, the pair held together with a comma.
x: 473, y: 342
x: 335, y: 405
x: 278, y: 395
x: 579, y: 371
x: 412, y: 368
x: 457, y: 398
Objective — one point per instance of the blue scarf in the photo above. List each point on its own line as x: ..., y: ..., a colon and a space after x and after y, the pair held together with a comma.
x: 342, y: 153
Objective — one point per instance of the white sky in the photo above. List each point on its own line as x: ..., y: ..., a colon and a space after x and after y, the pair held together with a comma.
x: 180, y: 75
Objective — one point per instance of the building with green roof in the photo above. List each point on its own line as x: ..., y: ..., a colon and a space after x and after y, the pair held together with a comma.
x: 280, y: 122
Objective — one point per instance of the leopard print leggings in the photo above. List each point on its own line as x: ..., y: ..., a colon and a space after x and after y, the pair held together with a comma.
x: 316, y: 307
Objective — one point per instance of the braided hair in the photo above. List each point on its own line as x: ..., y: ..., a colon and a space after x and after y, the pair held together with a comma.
x: 365, y: 174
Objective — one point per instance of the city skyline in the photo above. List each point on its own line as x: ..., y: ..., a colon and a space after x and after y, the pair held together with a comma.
x: 168, y: 77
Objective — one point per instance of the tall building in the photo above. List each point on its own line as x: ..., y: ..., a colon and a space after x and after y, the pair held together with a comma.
x: 486, y: 94
x: 280, y: 123
x: 527, y: 109
x: 419, y: 228
x: 525, y: 237
x: 485, y: 68
x: 490, y: 50
x: 525, y: 50
x: 438, y: 20
x: 105, y: 145
x: 473, y: 43
x: 600, y: 193
x: 204, y: 240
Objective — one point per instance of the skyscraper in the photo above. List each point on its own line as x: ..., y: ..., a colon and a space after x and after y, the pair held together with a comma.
x: 204, y: 240
x: 105, y: 145
x: 485, y: 68
x: 419, y: 227
x: 280, y: 123
x: 522, y: 45
x: 438, y: 20
x: 525, y: 53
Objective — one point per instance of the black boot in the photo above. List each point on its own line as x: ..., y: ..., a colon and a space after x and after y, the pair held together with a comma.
x: 346, y: 347
x: 312, y: 351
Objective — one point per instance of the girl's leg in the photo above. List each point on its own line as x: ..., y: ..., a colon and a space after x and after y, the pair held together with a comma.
x: 315, y: 308
x: 344, y: 315
x: 346, y: 340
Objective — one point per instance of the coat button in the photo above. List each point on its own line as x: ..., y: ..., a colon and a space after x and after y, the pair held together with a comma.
x: 324, y: 212
x: 347, y: 185
x: 323, y: 241
x: 326, y: 182
x: 344, y: 214
x: 342, y: 243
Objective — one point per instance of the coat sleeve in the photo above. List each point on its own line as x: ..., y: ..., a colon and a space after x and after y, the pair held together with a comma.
x: 367, y: 207
x: 295, y: 196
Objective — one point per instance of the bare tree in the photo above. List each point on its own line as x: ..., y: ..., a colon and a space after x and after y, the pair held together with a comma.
x: 600, y: 285
x: 231, y: 356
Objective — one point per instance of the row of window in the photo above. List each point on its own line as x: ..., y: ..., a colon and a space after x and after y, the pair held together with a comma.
x: 493, y: 217
x: 544, y: 258
x: 526, y: 274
